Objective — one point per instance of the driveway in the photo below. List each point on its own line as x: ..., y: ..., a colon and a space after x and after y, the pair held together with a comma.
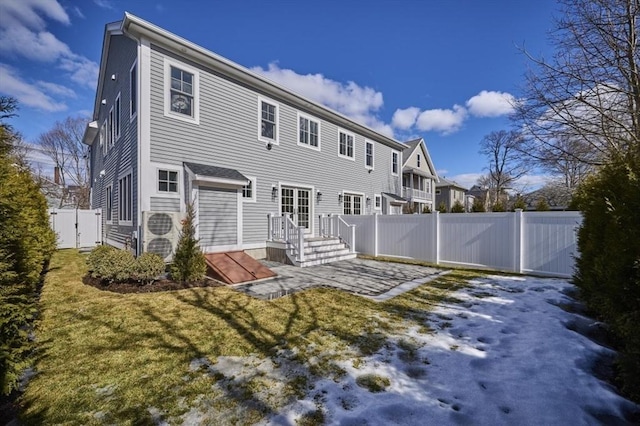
x: 370, y: 278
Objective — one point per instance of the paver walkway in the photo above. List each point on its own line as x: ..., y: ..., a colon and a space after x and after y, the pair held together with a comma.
x: 370, y: 278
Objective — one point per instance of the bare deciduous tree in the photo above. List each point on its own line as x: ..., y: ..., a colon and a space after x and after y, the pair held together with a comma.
x: 505, y: 162
x: 63, y: 144
x: 584, y: 104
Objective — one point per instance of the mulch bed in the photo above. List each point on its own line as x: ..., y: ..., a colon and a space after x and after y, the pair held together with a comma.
x: 136, y: 287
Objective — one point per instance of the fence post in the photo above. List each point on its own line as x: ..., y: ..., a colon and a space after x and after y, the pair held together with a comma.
x: 436, y: 234
x: 518, y: 241
x: 301, y: 243
x: 353, y: 238
x: 375, y: 234
x: 269, y: 230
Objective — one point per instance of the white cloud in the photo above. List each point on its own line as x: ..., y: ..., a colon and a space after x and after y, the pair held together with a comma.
x: 56, y: 89
x: 357, y: 102
x: 23, y: 34
x: 105, y: 4
x: 466, y: 180
x: 531, y: 182
x: 445, y: 121
x: 78, y: 12
x: 491, y: 104
x: 405, y: 118
x: 25, y: 93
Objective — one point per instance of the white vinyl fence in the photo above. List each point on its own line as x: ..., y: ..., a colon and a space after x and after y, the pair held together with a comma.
x: 76, y: 228
x: 525, y: 242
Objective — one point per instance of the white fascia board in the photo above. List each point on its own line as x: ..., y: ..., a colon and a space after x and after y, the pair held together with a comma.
x: 202, y: 179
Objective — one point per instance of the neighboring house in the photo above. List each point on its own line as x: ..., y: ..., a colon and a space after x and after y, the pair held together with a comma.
x: 175, y: 123
x: 558, y: 197
x: 479, y: 193
x: 448, y: 192
x: 419, y: 177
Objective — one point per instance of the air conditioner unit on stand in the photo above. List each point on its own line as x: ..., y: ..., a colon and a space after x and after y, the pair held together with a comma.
x: 161, y: 233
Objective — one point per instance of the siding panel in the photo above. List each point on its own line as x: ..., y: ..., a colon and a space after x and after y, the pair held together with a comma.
x: 217, y: 212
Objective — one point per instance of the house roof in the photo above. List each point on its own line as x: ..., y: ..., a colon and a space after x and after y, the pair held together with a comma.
x: 446, y: 182
x: 138, y: 28
x: 395, y: 199
x: 409, y: 148
x: 207, y: 173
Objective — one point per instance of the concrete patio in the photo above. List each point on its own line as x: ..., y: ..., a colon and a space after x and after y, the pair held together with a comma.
x: 370, y: 278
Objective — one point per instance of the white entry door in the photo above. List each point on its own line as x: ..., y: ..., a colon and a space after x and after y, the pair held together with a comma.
x: 296, y: 202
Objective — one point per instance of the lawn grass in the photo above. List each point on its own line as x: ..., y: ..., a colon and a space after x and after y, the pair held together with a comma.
x: 137, y: 358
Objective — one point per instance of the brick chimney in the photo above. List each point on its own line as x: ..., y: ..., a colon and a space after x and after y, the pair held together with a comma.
x: 56, y: 175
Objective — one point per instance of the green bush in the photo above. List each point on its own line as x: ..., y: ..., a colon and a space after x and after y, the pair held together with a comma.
x: 115, y: 266
x: 26, y: 245
x: 478, y: 205
x: 148, y: 268
x: 498, y: 207
x: 188, y: 261
x: 457, y: 207
x: 96, y: 257
x: 442, y: 207
x: 608, y: 269
x: 519, y: 204
x: 542, y: 205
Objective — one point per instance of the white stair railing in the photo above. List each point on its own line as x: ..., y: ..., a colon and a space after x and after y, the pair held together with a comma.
x: 347, y: 233
x: 275, y: 230
x: 294, y: 235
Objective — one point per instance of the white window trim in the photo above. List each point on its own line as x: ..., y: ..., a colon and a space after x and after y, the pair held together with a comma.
x: 397, y: 172
x: 373, y: 154
x: 276, y: 140
x: 168, y: 63
x: 363, y: 204
x: 110, y: 131
x: 377, y: 197
x: 353, y: 148
x: 106, y: 210
x: 120, y: 220
x: 117, y: 118
x: 310, y: 118
x: 254, y: 188
x: 132, y: 114
x: 169, y: 167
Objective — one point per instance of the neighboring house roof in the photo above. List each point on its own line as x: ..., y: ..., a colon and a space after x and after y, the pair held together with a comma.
x: 449, y: 183
x: 393, y: 198
x: 137, y: 28
x: 207, y: 173
x: 409, y: 148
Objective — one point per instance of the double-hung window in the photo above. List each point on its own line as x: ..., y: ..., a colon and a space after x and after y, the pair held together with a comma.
x: 133, y: 90
x: 167, y: 181
x: 308, y: 132
x: 395, y: 161
x: 249, y: 190
x: 368, y: 154
x: 110, y: 132
x: 268, y: 121
x: 116, y: 119
x: 345, y: 145
x: 181, y: 91
x: 377, y: 202
x: 125, y: 199
x: 109, y: 203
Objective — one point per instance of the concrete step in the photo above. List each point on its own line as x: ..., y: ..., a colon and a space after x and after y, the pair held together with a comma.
x: 327, y: 247
x: 318, y: 242
x: 326, y: 254
x: 325, y: 260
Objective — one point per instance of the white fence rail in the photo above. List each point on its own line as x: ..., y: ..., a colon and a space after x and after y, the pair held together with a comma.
x: 76, y: 228
x: 525, y: 242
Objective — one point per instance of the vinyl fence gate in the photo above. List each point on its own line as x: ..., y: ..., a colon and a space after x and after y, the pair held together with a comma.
x: 76, y: 228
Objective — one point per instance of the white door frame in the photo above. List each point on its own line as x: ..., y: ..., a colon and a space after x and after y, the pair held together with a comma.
x: 312, y: 203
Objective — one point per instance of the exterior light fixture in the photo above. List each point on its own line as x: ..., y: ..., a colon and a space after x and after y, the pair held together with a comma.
x: 319, y: 196
x: 339, y: 198
x: 274, y: 192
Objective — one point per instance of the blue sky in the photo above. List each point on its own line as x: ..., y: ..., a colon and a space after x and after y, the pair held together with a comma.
x: 442, y: 70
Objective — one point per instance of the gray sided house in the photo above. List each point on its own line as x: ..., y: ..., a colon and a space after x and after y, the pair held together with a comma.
x: 419, y: 177
x: 449, y: 192
x: 175, y: 123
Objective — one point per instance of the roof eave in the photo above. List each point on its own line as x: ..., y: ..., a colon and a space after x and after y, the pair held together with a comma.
x: 137, y: 27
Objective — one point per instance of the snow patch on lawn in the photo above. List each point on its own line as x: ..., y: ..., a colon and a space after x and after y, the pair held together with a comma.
x: 504, y: 355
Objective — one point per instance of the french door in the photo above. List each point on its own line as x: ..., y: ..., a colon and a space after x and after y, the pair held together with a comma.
x: 296, y: 202
x: 352, y: 204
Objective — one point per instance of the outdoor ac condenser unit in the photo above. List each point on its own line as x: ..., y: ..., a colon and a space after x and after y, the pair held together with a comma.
x: 161, y: 232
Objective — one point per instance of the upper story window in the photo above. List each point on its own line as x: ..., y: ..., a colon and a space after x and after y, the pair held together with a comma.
x: 249, y: 190
x: 109, y: 203
x: 395, y: 161
x: 133, y: 90
x: 116, y: 119
x: 308, y: 132
x: 167, y: 181
x: 268, y: 121
x: 418, y: 159
x: 110, y: 129
x: 181, y: 92
x: 368, y: 154
x: 346, y: 145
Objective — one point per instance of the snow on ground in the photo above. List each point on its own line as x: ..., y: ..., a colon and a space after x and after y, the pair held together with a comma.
x: 504, y: 354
